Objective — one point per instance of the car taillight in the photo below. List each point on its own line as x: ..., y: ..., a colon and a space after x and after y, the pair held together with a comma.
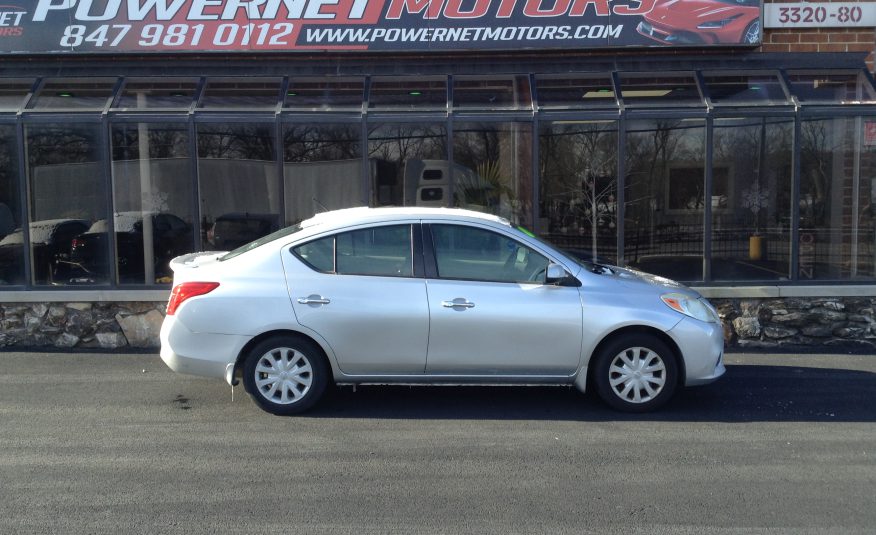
x: 76, y: 243
x: 183, y: 291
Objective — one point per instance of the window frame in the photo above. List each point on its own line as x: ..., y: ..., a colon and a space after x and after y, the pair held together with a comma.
x: 431, y: 252
x: 415, y: 242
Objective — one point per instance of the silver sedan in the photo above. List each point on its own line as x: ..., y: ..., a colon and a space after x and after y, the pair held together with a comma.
x: 431, y: 296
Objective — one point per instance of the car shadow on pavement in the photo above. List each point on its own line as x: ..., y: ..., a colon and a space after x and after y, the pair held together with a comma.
x: 745, y: 394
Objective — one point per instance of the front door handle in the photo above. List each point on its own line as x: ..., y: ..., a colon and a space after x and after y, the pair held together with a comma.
x: 458, y: 302
x: 314, y: 299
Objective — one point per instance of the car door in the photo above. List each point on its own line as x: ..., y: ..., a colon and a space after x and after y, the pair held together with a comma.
x: 364, y: 293
x: 491, y: 312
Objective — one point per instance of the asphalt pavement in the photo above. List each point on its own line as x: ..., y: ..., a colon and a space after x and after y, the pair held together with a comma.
x: 106, y: 443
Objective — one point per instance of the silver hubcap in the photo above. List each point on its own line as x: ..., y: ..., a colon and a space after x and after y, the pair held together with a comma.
x: 283, y: 375
x: 637, y: 374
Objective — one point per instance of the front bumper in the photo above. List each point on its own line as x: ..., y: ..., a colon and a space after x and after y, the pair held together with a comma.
x: 702, y: 346
x: 204, y: 354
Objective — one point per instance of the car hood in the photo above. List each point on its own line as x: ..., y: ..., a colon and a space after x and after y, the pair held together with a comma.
x: 672, y: 10
x: 632, y: 278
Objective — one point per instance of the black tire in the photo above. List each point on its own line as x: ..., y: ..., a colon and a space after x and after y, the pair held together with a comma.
x: 299, y: 381
x: 652, y: 370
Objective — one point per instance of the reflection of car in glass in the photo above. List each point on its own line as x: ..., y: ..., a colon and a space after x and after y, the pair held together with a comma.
x: 171, y: 236
x: 431, y: 296
x: 688, y: 22
x: 50, y: 240
x: 230, y: 231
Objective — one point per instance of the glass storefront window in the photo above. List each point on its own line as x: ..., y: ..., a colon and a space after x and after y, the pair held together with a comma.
x: 73, y: 94
x: 751, y: 198
x: 578, y: 187
x: 492, y: 169
x: 838, y: 166
x: 158, y: 93
x: 152, y: 200
x: 13, y: 91
x: 665, y: 180
x: 322, y: 168
x: 420, y: 94
x: 820, y: 87
x: 744, y: 89
x: 492, y: 92
x: 67, y: 195
x: 11, y: 233
x: 409, y: 166
x: 238, y: 183
x: 640, y: 89
x: 575, y: 92
x: 241, y: 93
x: 327, y: 94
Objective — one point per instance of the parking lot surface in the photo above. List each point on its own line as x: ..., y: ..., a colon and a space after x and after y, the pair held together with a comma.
x: 102, y: 443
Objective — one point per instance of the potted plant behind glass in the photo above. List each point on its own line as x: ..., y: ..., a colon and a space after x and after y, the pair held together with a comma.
x: 754, y: 199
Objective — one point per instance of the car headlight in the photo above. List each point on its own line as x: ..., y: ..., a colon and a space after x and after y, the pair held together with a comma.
x: 717, y: 23
x: 690, y: 306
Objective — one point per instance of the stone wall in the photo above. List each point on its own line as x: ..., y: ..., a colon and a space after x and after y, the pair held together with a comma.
x: 802, y: 321
x: 748, y: 323
x: 81, y: 325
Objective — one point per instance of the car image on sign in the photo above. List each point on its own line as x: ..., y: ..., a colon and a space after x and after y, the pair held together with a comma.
x: 431, y: 296
x: 697, y: 22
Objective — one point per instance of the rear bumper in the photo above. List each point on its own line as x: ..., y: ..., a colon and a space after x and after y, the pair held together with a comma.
x: 204, y: 354
x: 702, y: 345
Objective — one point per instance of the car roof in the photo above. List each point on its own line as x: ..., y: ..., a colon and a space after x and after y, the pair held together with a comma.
x: 364, y: 214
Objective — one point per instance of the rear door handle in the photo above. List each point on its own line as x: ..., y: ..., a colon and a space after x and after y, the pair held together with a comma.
x: 458, y: 302
x: 314, y: 299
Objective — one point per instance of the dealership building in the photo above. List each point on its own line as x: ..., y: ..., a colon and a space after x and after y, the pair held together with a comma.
x: 727, y: 144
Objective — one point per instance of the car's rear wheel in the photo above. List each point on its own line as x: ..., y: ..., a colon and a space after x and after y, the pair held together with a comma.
x: 285, y: 374
x: 636, y: 373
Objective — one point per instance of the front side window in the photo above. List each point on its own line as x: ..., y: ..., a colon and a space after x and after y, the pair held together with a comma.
x: 380, y: 251
x: 470, y: 253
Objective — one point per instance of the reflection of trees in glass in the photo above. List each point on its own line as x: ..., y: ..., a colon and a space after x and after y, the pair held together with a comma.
x: 320, y: 143
x: 501, y: 150
x: 236, y: 141
x: 578, y: 166
x: 164, y: 141
x: 401, y: 142
x: 816, y: 153
x: 57, y: 144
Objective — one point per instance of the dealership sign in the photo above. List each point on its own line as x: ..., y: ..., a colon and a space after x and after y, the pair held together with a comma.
x: 820, y: 15
x: 136, y: 26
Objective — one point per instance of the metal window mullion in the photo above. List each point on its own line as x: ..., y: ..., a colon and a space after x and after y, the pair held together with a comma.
x: 536, y: 175
x: 194, y: 177
x: 24, y: 207
x: 280, y: 159
x: 707, y: 202
x: 795, y: 200
x: 106, y: 157
x: 621, y: 187
x: 856, y: 197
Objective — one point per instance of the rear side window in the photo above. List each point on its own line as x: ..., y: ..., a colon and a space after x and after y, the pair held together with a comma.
x: 379, y: 251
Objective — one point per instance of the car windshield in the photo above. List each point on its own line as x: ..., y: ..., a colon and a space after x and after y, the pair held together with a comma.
x: 288, y: 231
x: 583, y: 258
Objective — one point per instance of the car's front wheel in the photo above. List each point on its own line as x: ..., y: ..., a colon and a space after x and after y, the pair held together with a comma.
x: 636, y: 373
x: 285, y: 374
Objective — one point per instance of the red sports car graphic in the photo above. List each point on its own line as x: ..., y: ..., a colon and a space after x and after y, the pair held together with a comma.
x: 690, y: 22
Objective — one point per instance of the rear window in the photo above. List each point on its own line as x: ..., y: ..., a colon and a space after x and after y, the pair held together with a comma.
x: 288, y: 231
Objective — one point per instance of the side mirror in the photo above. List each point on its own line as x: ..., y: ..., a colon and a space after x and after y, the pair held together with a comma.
x: 555, y: 274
